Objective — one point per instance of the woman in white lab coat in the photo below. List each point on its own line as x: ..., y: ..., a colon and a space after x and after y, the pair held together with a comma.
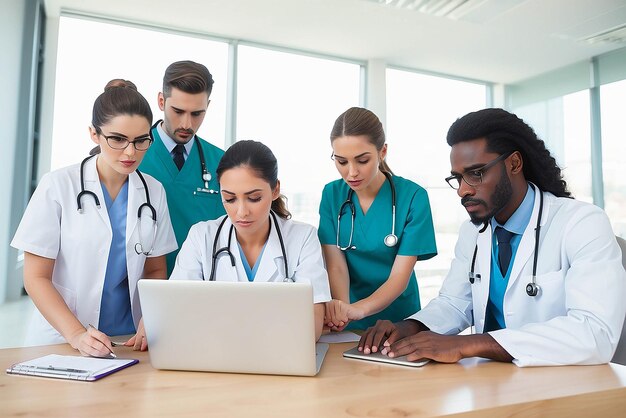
x: 81, y: 267
x: 256, y: 237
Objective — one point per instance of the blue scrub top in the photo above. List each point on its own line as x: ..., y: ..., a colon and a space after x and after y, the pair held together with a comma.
x: 370, y: 264
x: 115, y: 312
x: 251, y: 271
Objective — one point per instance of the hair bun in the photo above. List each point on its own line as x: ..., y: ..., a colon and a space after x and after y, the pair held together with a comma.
x: 119, y: 82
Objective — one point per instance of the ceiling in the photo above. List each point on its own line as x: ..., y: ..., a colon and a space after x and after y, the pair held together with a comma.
x: 503, y: 41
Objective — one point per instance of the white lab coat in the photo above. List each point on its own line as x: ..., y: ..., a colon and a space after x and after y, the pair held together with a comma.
x: 578, y: 314
x: 79, y: 243
x: 304, y: 256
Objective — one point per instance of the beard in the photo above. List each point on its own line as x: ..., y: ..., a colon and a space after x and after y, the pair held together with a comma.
x: 501, y: 196
x: 172, y: 133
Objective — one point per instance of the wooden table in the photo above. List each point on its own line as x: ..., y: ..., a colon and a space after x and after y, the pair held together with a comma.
x: 344, y: 388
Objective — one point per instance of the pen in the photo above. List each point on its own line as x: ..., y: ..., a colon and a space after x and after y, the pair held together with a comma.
x: 60, y: 369
x: 111, y: 353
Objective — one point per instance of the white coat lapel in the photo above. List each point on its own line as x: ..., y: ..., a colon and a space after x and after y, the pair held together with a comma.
x: 134, y: 261
x: 527, y: 244
x: 92, y: 183
x: 136, y: 198
x: 272, y: 257
x: 483, y: 266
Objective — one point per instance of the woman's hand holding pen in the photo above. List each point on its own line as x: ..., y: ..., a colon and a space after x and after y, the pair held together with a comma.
x: 340, y: 313
x: 139, y: 340
x: 91, y: 342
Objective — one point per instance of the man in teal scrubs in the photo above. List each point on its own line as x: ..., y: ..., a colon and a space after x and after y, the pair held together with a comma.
x: 175, y: 159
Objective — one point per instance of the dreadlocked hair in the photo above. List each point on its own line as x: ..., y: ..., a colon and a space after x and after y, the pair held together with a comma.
x: 506, y: 133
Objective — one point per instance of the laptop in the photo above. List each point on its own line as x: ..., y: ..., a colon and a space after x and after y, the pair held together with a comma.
x: 354, y: 353
x: 234, y: 327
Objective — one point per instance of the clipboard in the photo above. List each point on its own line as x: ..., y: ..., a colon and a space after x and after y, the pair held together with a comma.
x: 56, y: 366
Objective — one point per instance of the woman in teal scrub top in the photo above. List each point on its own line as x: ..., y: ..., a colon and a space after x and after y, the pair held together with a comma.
x: 371, y: 273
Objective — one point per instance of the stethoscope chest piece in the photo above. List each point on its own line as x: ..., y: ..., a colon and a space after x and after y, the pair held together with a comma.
x: 206, y: 175
x: 391, y: 240
x: 473, y: 277
x: 206, y: 178
x: 532, y: 289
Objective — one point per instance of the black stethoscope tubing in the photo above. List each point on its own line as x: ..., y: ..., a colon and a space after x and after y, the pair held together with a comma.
x: 532, y: 289
x: 226, y: 250
x: 390, y: 240
x: 83, y: 192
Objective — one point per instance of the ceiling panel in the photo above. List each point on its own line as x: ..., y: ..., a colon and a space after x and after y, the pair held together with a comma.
x: 497, y: 40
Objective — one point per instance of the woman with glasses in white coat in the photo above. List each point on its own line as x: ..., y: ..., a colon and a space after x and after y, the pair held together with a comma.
x: 91, y: 230
x: 256, y: 240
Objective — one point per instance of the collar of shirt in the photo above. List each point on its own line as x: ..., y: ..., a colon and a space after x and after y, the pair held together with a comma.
x: 519, y: 220
x: 170, y: 143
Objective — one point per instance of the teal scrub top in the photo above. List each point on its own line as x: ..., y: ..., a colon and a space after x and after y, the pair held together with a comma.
x: 370, y: 264
x: 185, y: 207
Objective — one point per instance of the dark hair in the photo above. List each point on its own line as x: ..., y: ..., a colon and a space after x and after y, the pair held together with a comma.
x: 359, y: 121
x: 259, y: 158
x: 120, y: 97
x: 187, y: 76
x: 506, y: 133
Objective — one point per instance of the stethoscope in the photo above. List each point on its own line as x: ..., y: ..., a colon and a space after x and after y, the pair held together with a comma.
x: 139, y: 247
x: 204, y: 172
x: 532, y: 289
x: 390, y: 240
x: 217, y: 252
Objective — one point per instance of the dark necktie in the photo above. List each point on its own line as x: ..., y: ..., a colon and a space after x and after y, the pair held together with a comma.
x: 504, y: 248
x: 179, y: 159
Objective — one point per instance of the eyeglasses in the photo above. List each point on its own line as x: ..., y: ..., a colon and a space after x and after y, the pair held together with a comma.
x: 474, y: 177
x: 118, y: 142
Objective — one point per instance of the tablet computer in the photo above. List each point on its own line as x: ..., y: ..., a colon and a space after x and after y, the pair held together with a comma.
x: 402, y: 361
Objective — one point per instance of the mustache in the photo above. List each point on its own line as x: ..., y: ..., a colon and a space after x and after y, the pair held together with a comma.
x: 466, y: 199
x: 185, y: 131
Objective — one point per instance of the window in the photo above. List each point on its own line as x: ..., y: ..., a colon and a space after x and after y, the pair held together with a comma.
x: 90, y: 53
x: 564, y: 124
x: 420, y: 109
x: 290, y: 102
x: 612, y: 104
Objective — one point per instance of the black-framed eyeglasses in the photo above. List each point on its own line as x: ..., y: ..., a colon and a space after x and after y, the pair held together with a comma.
x: 118, y: 142
x: 474, y: 177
